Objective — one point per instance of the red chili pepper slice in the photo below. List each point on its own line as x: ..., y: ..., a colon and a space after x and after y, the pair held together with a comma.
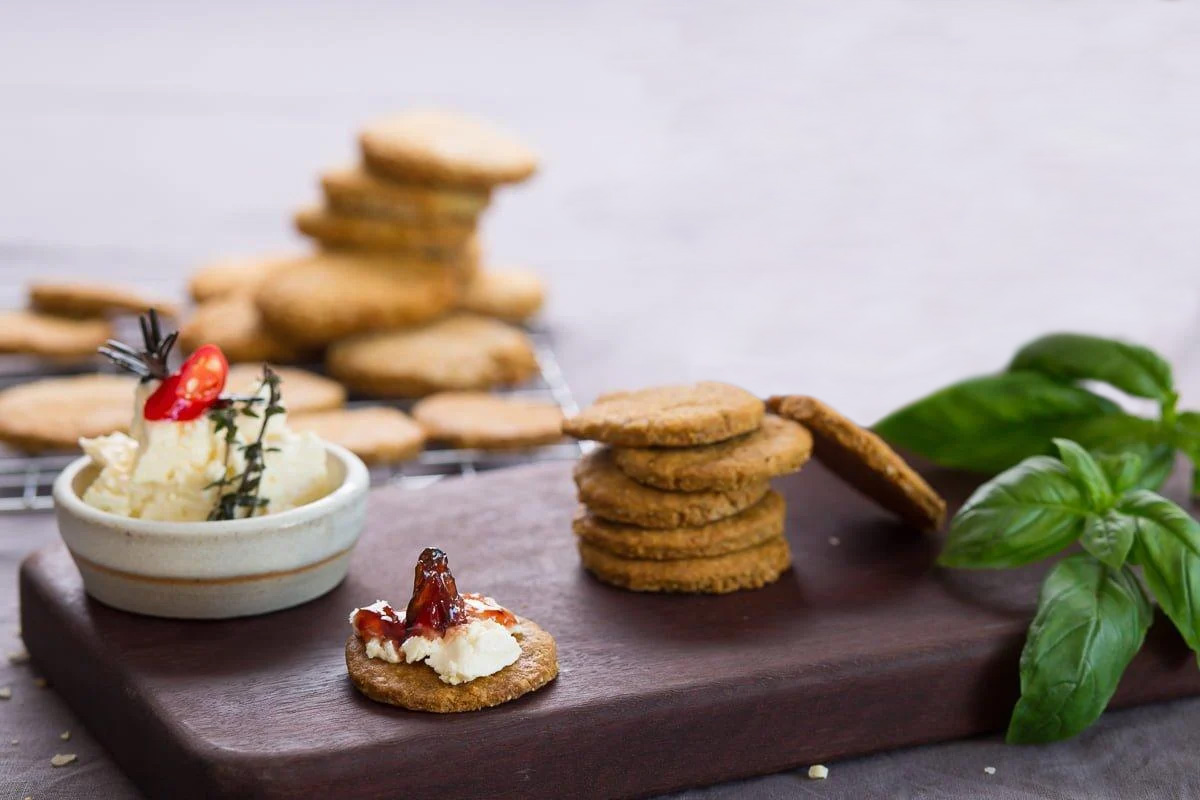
x: 192, y: 389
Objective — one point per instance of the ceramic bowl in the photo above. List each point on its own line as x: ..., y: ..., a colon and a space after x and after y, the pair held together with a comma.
x: 214, y: 570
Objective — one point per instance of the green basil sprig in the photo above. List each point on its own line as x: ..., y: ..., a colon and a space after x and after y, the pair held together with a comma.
x: 1092, y: 612
x: 989, y: 423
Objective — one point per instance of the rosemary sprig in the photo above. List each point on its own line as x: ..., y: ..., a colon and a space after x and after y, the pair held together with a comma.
x: 239, y: 493
x: 151, y: 361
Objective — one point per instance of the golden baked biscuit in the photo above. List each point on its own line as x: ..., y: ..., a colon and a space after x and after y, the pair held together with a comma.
x: 487, y: 421
x: 865, y: 461
x: 513, y: 294
x: 445, y: 148
x: 354, y: 192
x: 442, y: 239
x: 669, y: 416
x: 752, y: 568
x: 83, y: 299
x: 234, y: 324
x: 418, y: 688
x: 762, y: 521
x: 240, y: 275
x: 303, y: 391
x: 38, y: 334
x: 53, y: 413
x: 778, y: 447
x: 458, y: 352
x: 328, y: 296
x: 376, y: 434
x: 611, y: 494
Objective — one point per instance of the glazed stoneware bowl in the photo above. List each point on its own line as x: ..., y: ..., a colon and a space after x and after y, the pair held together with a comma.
x: 214, y: 570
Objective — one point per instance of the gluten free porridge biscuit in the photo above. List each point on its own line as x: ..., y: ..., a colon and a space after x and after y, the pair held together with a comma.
x: 38, y: 334
x: 353, y: 191
x: 84, y: 299
x: 488, y: 421
x: 54, y: 413
x: 303, y: 391
x: 683, y: 415
x: 239, y: 275
x: 751, y: 568
x: 235, y: 324
x: 430, y: 239
x: 511, y: 294
x: 376, y: 434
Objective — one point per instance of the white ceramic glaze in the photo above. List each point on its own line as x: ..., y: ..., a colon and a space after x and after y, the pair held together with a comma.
x: 214, y: 570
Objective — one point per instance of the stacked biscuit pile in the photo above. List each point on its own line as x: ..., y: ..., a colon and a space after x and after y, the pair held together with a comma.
x: 679, y: 500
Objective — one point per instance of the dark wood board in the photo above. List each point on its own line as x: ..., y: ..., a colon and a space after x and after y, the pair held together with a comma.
x: 863, y: 646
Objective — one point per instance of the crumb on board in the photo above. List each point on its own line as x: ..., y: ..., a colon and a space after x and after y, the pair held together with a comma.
x: 14, y: 741
x: 5, y: 692
x: 65, y: 735
x: 40, y: 683
x: 834, y: 541
x: 18, y: 657
x: 990, y: 770
x: 818, y: 772
x: 62, y: 759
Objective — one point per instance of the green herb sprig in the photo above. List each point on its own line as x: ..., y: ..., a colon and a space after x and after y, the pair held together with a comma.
x: 238, y: 494
x: 989, y: 423
x: 1093, y: 611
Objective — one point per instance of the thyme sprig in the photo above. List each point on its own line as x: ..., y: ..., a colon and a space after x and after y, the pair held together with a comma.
x: 151, y: 361
x: 238, y: 494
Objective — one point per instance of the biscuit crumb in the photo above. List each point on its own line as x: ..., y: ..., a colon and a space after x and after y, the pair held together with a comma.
x: 65, y: 735
x: 990, y: 770
x: 62, y: 759
x: 19, y: 657
x: 834, y: 541
x: 818, y: 772
x: 40, y: 683
x: 14, y: 741
x: 5, y: 692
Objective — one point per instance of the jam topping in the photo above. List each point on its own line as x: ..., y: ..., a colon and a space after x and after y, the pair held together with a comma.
x: 435, y: 607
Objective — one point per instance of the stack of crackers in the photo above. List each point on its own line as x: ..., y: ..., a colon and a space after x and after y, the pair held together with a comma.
x: 679, y: 499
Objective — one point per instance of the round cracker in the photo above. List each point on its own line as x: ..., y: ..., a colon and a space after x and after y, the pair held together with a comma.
x: 443, y: 238
x: 611, y: 494
x: 235, y: 275
x: 751, y: 568
x: 512, y: 294
x: 376, y: 434
x: 758, y: 523
x: 487, y: 421
x: 234, y: 324
x: 52, y: 414
x: 328, y: 296
x: 778, y: 447
x: 353, y: 191
x: 457, y: 352
x: 418, y: 688
x: 33, y: 333
x: 82, y: 299
x: 303, y: 391
x: 669, y: 416
x: 445, y: 148
x: 865, y: 461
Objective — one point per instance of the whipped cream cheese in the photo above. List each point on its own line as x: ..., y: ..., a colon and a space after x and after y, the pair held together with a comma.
x: 165, y: 469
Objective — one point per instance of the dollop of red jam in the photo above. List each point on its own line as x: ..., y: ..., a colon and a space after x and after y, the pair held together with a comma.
x: 435, y: 607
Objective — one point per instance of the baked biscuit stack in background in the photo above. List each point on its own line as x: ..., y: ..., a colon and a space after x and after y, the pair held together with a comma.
x: 679, y: 499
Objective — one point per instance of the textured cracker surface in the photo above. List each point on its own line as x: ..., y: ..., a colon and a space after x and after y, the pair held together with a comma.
x: 752, y: 568
x: 669, y: 416
x: 376, y: 434
x: 34, y: 333
x: 487, y: 421
x: 611, y: 494
x: 302, y: 390
x: 457, y: 352
x: 778, y: 447
x: 761, y: 521
x: 355, y: 192
x: 52, y: 414
x: 418, y: 688
x: 865, y: 461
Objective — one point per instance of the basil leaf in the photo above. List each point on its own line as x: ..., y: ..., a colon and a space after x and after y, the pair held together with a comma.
x: 1155, y: 514
x: 1173, y: 574
x: 1131, y: 368
x: 1084, y: 468
x: 1022, y: 515
x: 1187, y: 426
x: 989, y: 423
x: 1123, y: 470
x: 1091, y: 621
x: 1109, y: 537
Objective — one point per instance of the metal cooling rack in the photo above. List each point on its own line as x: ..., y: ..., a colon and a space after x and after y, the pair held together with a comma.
x: 26, y: 481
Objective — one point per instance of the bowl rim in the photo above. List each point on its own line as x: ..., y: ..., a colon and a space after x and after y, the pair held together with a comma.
x: 356, y: 481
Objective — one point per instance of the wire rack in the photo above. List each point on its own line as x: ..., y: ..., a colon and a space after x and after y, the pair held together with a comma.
x: 26, y: 480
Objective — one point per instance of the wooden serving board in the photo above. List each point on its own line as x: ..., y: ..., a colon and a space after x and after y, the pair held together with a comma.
x: 863, y: 646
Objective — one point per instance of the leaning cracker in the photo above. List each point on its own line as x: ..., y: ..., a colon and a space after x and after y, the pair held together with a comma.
x: 303, y: 391
x: 328, y: 296
x: 242, y: 275
x: 762, y: 521
x: 611, y: 494
x: 52, y: 414
x: 460, y: 351
x: 752, y: 568
x: 444, y: 148
x: 780, y: 446
x: 376, y: 434
x: 487, y: 421
x: 235, y: 324
x: 355, y: 192
x: 865, y: 461
x: 418, y: 688
x: 510, y: 294
x: 82, y: 299
x: 669, y: 416
x: 335, y: 230
x: 39, y: 334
